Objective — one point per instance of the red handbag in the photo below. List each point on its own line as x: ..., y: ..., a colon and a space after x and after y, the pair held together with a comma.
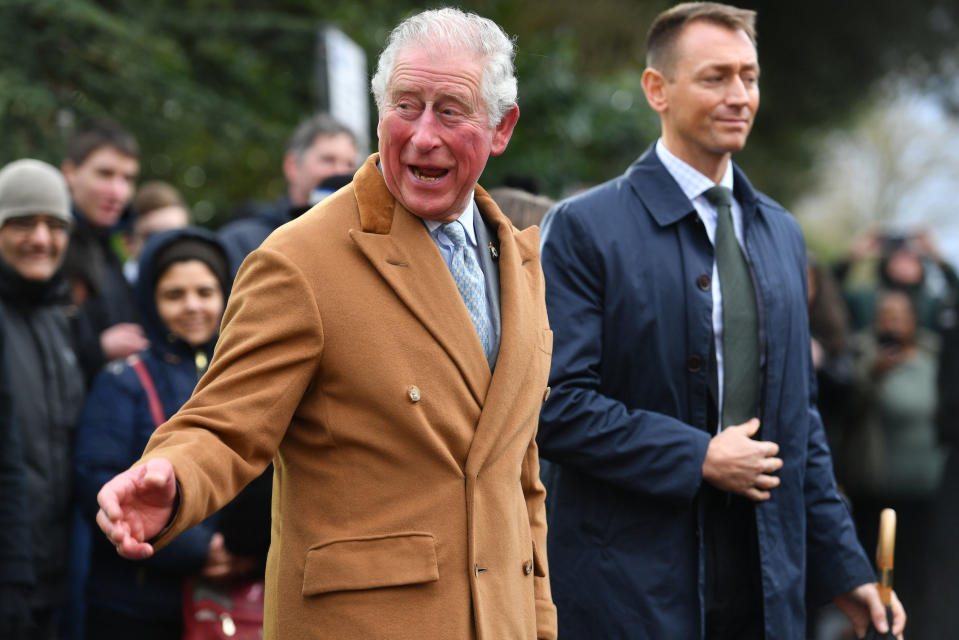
x: 229, y: 610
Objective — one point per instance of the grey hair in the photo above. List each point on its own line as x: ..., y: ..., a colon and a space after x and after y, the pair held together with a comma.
x: 456, y: 30
x: 321, y: 124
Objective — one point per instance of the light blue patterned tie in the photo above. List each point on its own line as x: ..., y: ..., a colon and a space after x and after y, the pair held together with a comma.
x: 469, y: 280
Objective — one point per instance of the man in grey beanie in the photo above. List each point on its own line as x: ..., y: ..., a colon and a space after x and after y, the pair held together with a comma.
x: 46, y: 388
x: 33, y: 194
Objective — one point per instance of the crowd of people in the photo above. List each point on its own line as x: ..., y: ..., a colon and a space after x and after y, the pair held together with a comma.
x: 112, y: 300
x: 391, y: 366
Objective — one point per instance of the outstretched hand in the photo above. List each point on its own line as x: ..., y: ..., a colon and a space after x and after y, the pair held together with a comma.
x: 862, y: 606
x: 737, y: 463
x: 136, y: 505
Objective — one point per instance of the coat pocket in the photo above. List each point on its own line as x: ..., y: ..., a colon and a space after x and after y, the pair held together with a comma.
x: 370, y: 563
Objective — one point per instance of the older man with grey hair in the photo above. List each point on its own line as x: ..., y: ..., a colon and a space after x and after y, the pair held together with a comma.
x: 389, y: 351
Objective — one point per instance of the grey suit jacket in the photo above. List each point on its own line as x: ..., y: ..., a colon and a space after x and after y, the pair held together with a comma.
x: 489, y: 263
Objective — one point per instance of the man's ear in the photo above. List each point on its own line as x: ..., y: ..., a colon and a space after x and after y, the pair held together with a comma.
x: 290, y: 167
x: 69, y: 170
x: 504, y: 130
x: 654, y: 86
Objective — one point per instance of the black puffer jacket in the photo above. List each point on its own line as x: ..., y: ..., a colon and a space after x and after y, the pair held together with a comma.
x: 47, y: 393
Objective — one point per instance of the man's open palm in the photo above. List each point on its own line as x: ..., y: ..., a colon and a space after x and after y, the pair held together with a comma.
x: 136, y: 505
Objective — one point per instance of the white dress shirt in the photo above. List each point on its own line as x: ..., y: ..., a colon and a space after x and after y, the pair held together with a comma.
x: 694, y: 184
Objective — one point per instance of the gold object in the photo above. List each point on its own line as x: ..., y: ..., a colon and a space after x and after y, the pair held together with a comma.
x: 201, y: 361
x: 885, y: 553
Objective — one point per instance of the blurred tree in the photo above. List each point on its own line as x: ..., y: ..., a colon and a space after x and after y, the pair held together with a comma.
x: 894, y: 170
x: 212, y: 88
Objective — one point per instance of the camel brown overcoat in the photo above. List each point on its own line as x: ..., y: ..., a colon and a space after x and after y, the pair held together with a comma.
x: 407, y: 500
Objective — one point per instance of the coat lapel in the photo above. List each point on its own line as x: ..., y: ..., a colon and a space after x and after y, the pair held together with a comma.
x: 520, y: 280
x: 400, y: 249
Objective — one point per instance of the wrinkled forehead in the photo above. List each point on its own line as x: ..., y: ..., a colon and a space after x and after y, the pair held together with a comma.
x: 437, y: 53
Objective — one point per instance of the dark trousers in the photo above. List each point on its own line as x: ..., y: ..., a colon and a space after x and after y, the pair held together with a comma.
x: 734, y: 591
x: 106, y: 624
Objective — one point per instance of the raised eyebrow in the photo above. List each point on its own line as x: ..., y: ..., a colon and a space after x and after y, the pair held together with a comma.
x: 452, y: 97
x: 398, y: 91
x: 731, y: 68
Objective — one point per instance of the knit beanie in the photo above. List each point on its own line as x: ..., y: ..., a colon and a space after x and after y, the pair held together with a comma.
x: 32, y: 187
x: 187, y: 248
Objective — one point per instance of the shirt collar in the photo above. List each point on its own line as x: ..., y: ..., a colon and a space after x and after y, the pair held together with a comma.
x: 465, y: 219
x: 690, y: 180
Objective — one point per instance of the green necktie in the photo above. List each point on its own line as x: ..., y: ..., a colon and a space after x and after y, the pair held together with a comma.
x: 740, y: 318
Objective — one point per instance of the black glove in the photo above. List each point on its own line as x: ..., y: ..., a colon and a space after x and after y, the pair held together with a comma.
x: 14, y: 611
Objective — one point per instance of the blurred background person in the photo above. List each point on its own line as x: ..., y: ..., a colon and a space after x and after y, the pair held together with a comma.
x: 832, y: 359
x: 157, y: 206
x: 903, y: 262
x: 524, y: 209
x: 181, y: 292
x: 320, y: 148
x: 943, y: 572
x: 891, y: 456
x: 45, y: 383
x: 101, y: 167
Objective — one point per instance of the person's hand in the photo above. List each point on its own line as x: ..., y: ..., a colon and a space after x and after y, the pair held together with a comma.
x: 862, y: 606
x: 136, y: 505
x: 218, y: 559
x: 221, y: 564
x: 886, y: 359
x: 865, y: 244
x: 922, y: 243
x: 737, y: 463
x: 122, y: 340
x: 818, y: 353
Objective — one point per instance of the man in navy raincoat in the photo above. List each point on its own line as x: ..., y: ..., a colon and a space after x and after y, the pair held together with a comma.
x: 670, y: 517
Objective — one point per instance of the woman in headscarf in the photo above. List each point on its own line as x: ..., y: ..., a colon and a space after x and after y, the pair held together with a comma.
x: 181, y: 294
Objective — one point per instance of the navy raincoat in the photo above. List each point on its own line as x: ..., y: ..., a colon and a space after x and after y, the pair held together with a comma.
x: 629, y: 418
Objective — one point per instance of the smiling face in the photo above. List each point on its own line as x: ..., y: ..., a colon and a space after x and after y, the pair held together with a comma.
x: 102, y: 185
x: 34, y: 245
x: 708, y: 97
x: 189, y: 301
x: 434, y: 132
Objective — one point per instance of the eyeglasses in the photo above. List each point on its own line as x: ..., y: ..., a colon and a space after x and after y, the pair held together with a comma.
x: 27, y: 224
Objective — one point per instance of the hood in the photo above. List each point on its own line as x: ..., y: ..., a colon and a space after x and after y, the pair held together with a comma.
x: 162, y: 341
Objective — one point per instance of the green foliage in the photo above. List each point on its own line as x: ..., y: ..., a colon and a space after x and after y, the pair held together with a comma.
x: 213, y: 88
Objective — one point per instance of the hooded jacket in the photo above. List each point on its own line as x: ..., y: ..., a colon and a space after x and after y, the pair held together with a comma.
x: 113, y: 430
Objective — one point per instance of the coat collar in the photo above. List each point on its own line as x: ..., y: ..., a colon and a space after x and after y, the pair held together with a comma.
x: 666, y: 202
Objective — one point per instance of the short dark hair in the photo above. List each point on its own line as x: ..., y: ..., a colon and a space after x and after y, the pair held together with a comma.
x: 98, y: 134
x: 666, y: 28
x: 154, y: 195
x: 321, y: 124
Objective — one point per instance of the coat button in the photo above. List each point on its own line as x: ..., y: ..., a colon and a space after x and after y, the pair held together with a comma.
x: 703, y: 282
x: 546, y: 394
x: 694, y: 363
x: 414, y: 393
x: 528, y: 567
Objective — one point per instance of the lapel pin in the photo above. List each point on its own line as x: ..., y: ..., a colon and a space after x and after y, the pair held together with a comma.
x: 493, y: 251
